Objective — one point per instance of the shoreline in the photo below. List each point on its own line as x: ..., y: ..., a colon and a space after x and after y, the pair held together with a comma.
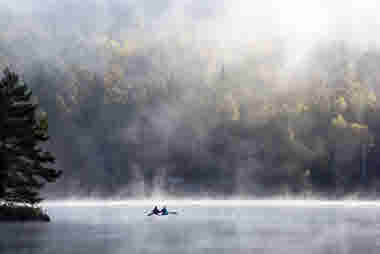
x: 213, y: 202
x: 22, y: 213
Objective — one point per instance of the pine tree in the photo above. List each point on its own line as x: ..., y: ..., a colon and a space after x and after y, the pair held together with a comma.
x: 24, y: 164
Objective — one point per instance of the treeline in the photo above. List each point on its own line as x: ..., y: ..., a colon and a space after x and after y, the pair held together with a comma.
x: 170, y: 118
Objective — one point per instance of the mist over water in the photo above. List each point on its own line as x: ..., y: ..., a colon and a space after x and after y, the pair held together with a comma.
x: 281, y: 202
x: 212, y: 108
x: 221, y: 227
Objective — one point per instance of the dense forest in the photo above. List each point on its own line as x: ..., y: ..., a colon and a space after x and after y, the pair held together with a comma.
x: 134, y: 113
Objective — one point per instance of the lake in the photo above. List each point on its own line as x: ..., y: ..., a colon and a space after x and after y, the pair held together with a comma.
x: 204, y: 227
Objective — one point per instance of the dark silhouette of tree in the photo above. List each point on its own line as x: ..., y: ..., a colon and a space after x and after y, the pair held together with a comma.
x: 24, y: 164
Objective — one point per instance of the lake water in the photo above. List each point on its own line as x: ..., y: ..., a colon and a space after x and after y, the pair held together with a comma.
x: 238, y: 228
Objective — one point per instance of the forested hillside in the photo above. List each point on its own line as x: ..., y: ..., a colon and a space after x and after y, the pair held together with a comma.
x: 137, y: 109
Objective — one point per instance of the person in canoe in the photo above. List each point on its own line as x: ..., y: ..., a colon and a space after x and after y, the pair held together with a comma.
x: 164, y: 211
x: 154, y: 211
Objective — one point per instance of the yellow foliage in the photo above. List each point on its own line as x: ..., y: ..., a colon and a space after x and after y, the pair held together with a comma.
x: 372, y: 98
x: 341, y: 104
x: 126, y: 48
x: 129, y: 47
x: 268, y: 108
x: 302, y: 108
x: 230, y: 107
x: 235, y: 114
x: 339, y: 121
x: 234, y: 108
x: 122, y: 49
x: 114, y: 44
x: 355, y: 84
x: 359, y: 126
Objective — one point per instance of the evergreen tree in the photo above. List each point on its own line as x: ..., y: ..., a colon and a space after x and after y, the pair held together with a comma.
x: 24, y: 164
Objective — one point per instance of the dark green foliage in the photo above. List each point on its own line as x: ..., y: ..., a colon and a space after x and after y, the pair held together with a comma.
x: 24, y: 164
x: 11, y: 212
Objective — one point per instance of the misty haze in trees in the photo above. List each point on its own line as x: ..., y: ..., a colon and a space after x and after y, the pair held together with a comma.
x: 23, y: 162
x: 198, y: 98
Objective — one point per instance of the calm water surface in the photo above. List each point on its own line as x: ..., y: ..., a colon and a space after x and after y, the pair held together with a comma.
x: 197, y: 229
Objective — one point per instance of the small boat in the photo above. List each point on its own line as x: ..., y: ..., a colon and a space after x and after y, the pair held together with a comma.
x: 169, y: 213
x: 151, y: 213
